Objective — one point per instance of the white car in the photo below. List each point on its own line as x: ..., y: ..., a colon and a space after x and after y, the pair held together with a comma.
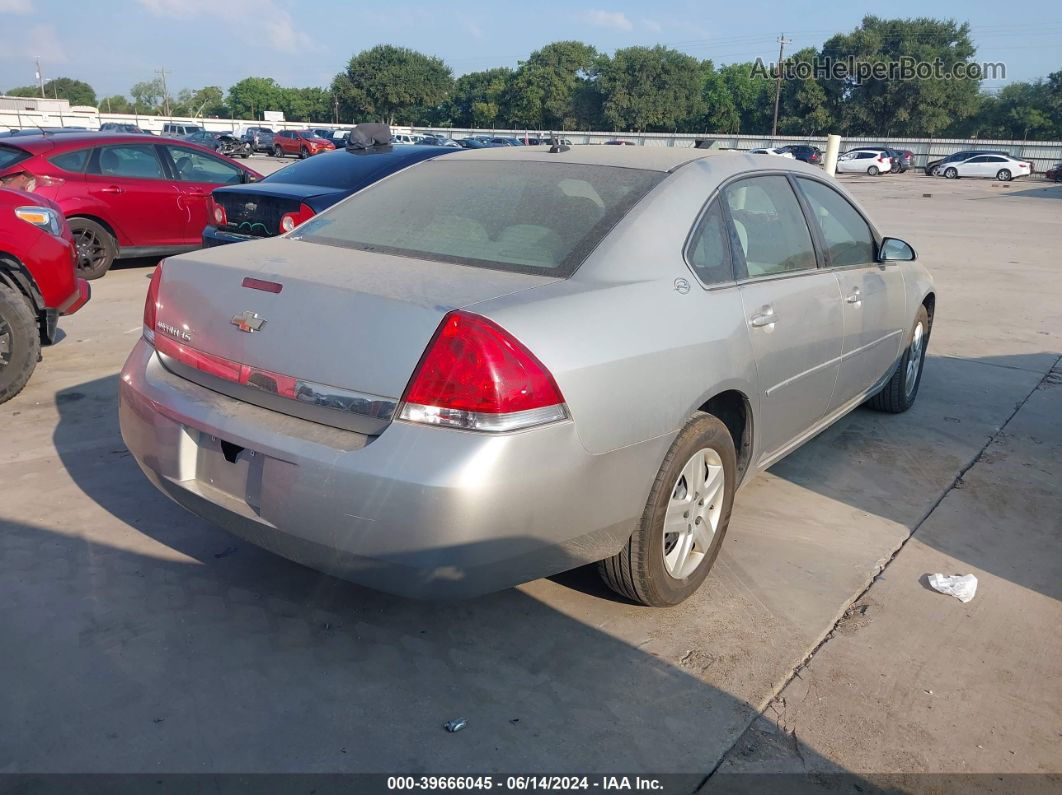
x: 771, y: 151
x: 864, y: 161
x: 999, y: 167
x: 403, y: 138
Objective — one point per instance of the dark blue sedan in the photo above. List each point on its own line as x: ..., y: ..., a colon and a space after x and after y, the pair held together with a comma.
x: 286, y: 198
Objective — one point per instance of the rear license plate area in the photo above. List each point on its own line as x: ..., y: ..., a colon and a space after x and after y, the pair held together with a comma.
x: 229, y: 468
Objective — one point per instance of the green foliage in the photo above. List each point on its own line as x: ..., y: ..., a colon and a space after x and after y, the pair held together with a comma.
x: 77, y: 92
x: 654, y: 89
x: 478, y: 98
x: 390, y: 83
x: 147, y: 96
x: 895, y: 107
x: 553, y: 88
x: 253, y: 95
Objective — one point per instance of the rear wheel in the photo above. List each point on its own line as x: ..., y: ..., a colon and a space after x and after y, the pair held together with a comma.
x: 20, y: 342
x: 277, y: 151
x: 900, y: 391
x: 951, y: 173
x: 873, y: 171
x: 96, y: 248
x: 1003, y: 175
x: 684, y: 521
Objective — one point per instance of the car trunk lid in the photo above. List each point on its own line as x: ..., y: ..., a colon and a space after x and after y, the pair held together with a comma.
x: 336, y: 343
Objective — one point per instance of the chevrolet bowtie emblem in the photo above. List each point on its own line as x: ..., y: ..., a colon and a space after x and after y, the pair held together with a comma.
x: 248, y: 321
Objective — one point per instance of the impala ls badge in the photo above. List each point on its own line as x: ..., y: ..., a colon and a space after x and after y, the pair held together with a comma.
x: 248, y: 321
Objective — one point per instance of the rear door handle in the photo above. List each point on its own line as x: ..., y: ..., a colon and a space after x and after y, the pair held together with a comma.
x: 855, y: 297
x: 763, y: 318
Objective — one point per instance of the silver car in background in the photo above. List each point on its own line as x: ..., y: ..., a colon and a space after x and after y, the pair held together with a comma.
x: 510, y: 362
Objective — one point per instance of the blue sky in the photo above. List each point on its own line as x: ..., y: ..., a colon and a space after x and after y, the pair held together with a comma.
x: 114, y: 43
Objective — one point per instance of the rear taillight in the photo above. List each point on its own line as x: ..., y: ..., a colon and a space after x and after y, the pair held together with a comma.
x: 289, y: 221
x: 151, y: 305
x: 220, y: 219
x: 476, y: 376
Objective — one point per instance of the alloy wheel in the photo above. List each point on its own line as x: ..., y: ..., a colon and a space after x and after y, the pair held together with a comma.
x: 91, y: 251
x: 693, y: 513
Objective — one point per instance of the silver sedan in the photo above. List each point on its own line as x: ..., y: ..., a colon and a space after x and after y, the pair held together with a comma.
x: 510, y: 362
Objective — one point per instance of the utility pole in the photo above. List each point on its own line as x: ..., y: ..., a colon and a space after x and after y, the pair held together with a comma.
x: 40, y: 77
x: 782, y: 41
x: 165, y: 93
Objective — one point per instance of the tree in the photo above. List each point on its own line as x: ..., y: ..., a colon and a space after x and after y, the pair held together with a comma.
x: 115, y: 104
x: 551, y: 87
x: 390, y: 82
x: 207, y: 101
x: 651, y: 88
x: 77, y: 92
x: 147, y: 96
x: 253, y: 95
x: 891, y: 105
x: 803, y: 107
x: 478, y: 98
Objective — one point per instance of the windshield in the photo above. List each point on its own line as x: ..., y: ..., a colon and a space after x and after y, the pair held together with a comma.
x: 527, y: 216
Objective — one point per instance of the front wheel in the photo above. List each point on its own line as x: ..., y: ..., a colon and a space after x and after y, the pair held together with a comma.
x: 303, y: 153
x: 685, y: 519
x: 20, y: 342
x: 900, y: 391
x: 1003, y: 175
x: 951, y: 173
x: 96, y: 248
x: 872, y: 171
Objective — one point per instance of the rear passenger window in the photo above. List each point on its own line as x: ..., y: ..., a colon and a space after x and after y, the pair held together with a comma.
x: 849, y: 240
x: 139, y: 161
x: 72, y: 161
x: 770, y: 226
x: 709, y: 253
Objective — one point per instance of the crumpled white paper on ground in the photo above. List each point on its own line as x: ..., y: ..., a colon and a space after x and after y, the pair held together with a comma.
x: 962, y: 587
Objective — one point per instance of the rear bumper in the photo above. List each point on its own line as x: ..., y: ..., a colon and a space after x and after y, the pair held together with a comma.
x: 417, y: 511
x: 212, y: 236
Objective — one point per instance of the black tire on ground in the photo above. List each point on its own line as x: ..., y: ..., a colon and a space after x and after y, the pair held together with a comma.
x: 900, y: 391
x: 20, y: 342
x: 1003, y: 175
x: 277, y: 151
x: 638, y: 571
x: 872, y: 171
x: 303, y: 154
x: 96, y: 248
x: 951, y: 173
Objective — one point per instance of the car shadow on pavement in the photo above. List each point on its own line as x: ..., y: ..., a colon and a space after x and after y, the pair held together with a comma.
x: 169, y: 645
x: 899, y: 467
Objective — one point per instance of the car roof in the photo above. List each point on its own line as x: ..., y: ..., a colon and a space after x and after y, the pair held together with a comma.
x: 49, y: 141
x: 651, y: 158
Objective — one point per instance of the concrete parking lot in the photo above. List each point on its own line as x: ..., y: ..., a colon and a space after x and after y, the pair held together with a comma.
x: 139, y: 638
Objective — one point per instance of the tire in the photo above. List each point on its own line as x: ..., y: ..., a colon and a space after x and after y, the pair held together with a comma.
x: 1003, y: 175
x: 951, y: 173
x: 639, y: 571
x: 20, y: 342
x: 277, y: 151
x: 96, y: 248
x: 872, y: 171
x: 303, y: 154
x: 900, y: 391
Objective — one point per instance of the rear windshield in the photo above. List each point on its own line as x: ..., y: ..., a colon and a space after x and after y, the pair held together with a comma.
x: 343, y: 170
x: 526, y: 216
x: 9, y: 155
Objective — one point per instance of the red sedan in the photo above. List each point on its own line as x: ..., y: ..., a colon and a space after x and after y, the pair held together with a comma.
x: 37, y: 283
x: 124, y: 195
x: 302, y: 143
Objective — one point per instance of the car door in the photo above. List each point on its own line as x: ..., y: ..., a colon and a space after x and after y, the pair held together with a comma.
x: 975, y: 167
x: 873, y: 293
x: 792, y: 309
x: 197, y: 174
x: 136, y: 195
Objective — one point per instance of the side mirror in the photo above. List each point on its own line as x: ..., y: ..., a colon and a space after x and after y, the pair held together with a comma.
x: 249, y: 177
x: 895, y: 250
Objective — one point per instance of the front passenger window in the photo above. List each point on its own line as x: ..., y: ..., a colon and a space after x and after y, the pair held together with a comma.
x: 849, y: 240
x: 770, y: 226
